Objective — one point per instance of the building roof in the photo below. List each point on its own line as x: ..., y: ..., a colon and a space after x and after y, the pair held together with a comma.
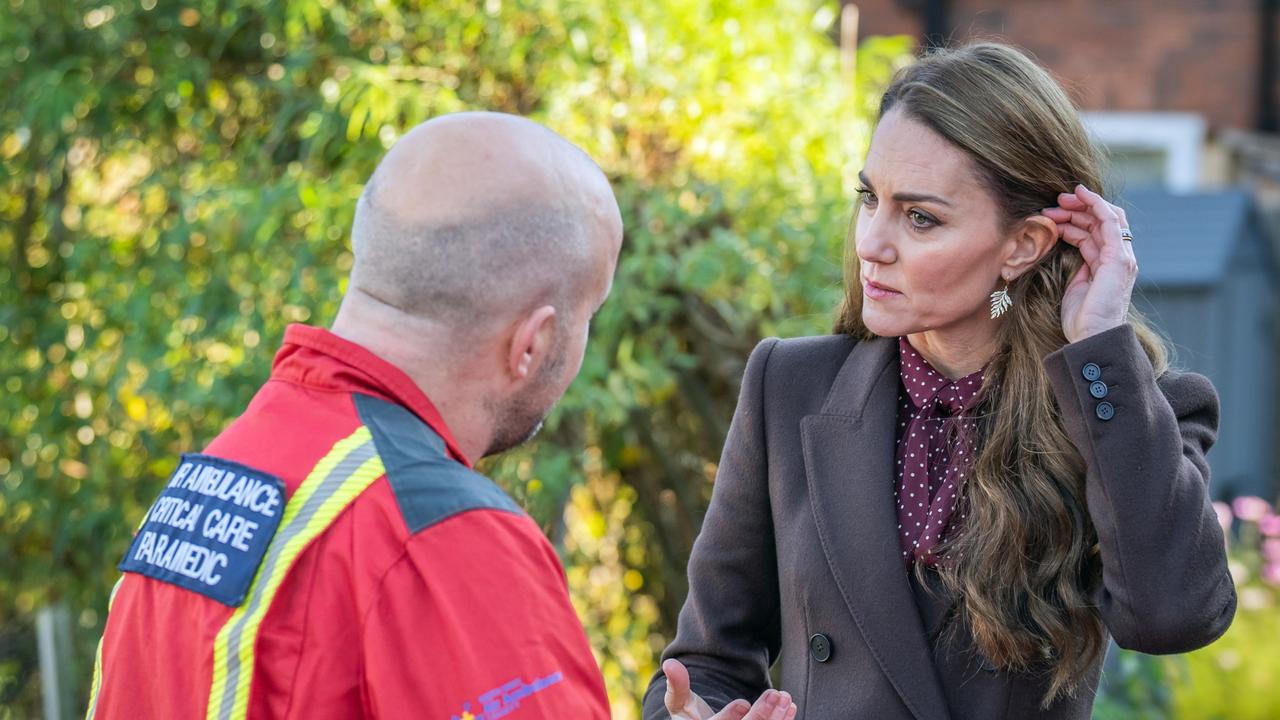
x: 1189, y: 239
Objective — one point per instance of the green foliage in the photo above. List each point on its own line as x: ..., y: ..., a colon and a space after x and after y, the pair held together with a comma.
x: 178, y: 181
x: 1134, y: 687
x: 1234, y: 679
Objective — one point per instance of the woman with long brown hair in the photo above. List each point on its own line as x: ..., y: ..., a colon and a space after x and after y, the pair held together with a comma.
x: 946, y: 508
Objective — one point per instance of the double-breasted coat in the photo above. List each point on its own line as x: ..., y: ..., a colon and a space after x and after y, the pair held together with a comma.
x: 798, y: 560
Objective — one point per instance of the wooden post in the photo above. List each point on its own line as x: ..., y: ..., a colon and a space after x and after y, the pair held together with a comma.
x: 849, y: 82
x: 849, y: 43
x: 53, y: 644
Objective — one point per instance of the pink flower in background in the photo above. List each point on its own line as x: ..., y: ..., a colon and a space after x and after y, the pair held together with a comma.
x: 1269, y: 525
x: 1224, y: 515
x: 1251, y: 508
x: 1271, y: 573
x: 1271, y: 550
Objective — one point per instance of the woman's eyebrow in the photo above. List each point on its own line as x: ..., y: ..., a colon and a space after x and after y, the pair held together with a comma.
x: 919, y: 197
x: 905, y: 196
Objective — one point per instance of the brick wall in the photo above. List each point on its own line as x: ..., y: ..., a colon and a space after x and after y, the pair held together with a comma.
x: 1188, y: 55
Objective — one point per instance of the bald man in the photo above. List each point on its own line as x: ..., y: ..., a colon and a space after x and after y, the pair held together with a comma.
x: 332, y: 554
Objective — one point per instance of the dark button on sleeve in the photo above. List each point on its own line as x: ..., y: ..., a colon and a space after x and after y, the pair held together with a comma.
x: 820, y: 647
x: 1098, y: 389
x: 1106, y: 411
x: 1091, y: 372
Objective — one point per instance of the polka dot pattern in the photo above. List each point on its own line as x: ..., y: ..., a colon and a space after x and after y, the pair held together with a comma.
x: 934, y: 451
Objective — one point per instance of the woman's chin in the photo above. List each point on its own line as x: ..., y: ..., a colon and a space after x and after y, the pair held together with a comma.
x: 881, y: 324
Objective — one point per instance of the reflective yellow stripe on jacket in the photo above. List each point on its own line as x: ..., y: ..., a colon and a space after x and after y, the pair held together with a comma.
x: 97, y: 659
x: 340, y: 476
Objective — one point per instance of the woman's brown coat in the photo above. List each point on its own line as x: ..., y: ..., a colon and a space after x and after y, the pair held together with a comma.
x: 798, y: 559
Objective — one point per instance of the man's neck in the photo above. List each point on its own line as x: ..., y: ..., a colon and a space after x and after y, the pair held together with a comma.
x: 405, y: 342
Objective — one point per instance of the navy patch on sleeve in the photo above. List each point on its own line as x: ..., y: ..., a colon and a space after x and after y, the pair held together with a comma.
x: 209, y: 529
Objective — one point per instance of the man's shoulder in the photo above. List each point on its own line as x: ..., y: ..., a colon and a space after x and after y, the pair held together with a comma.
x: 429, y: 486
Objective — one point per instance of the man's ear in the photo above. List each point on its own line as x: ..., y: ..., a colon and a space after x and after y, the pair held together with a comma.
x: 1033, y: 238
x: 531, y: 342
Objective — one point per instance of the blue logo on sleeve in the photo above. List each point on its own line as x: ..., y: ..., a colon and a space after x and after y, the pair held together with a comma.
x: 209, y: 529
x: 505, y: 699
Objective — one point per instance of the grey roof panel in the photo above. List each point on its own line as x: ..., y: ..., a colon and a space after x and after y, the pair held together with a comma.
x: 1185, y: 239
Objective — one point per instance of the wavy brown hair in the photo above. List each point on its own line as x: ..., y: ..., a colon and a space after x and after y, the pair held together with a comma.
x: 1026, y: 562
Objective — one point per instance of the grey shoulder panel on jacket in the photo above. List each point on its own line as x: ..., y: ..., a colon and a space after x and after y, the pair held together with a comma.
x: 429, y: 485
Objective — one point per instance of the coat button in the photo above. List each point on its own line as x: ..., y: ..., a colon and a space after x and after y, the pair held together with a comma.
x: 1105, y: 411
x: 1091, y: 372
x: 820, y: 647
x: 1098, y: 389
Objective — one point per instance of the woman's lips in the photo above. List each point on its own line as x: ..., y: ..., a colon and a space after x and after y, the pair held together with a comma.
x: 876, y: 291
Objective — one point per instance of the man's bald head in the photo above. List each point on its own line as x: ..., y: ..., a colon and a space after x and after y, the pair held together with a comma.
x: 473, y: 218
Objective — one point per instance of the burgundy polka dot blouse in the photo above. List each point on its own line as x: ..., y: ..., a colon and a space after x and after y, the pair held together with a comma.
x: 934, y: 451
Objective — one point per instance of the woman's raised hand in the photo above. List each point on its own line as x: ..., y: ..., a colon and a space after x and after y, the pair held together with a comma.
x: 684, y: 704
x: 1097, y: 297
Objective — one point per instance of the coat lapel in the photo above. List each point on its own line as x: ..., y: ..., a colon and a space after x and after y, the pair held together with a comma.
x: 848, y: 455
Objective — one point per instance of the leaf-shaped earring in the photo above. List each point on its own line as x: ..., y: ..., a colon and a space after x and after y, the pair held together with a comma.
x: 1000, y: 302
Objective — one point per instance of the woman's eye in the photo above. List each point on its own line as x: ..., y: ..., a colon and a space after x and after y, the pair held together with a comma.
x: 866, y: 197
x: 920, y: 220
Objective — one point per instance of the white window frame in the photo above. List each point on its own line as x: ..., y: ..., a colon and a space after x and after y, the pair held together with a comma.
x: 1180, y: 136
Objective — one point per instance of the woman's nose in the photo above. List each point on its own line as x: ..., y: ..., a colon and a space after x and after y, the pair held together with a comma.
x: 872, y: 242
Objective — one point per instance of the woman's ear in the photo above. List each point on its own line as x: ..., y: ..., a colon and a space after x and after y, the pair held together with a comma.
x: 1031, y: 241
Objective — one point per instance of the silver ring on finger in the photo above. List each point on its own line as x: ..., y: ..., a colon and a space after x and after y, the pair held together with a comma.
x: 1125, y: 235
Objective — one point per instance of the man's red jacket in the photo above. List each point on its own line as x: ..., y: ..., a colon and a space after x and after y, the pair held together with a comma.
x: 333, y: 555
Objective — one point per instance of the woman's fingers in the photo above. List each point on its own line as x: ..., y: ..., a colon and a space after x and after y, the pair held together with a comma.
x: 1079, y: 218
x: 1071, y: 201
x: 1082, y: 240
x: 736, y: 710
x: 1107, y: 216
x: 1113, y: 246
x: 772, y: 705
x: 1126, y: 245
x: 1097, y: 295
x: 1081, y: 277
x: 1095, y: 201
x: 1073, y: 234
x: 684, y: 704
x: 679, y: 698
x: 1100, y: 220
